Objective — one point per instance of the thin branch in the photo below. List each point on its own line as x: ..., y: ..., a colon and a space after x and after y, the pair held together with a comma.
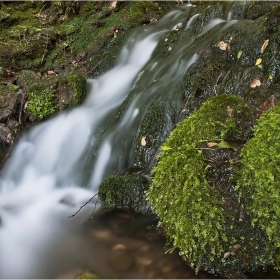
x: 91, y: 216
x: 217, y: 84
x: 83, y: 207
x: 185, y: 106
x: 94, y: 67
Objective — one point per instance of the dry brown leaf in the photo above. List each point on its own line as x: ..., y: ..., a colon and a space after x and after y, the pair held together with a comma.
x: 212, y: 144
x: 229, y: 111
x: 269, y: 103
x: 143, y: 141
x: 255, y: 83
x: 223, y: 46
x: 227, y: 254
x: 51, y: 73
x: 265, y: 44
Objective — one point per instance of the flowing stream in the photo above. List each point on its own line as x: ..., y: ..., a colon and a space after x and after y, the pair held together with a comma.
x: 58, y: 165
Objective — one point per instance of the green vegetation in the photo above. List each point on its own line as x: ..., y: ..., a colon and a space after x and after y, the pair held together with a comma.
x: 48, y: 95
x: 199, y: 216
x: 259, y: 182
x: 42, y: 105
x: 68, y: 36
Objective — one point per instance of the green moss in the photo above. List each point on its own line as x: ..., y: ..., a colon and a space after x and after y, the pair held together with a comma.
x: 58, y: 93
x: 79, y: 86
x: 42, y: 104
x: 187, y: 201
x: 259, y: 179
x: 126, y: 191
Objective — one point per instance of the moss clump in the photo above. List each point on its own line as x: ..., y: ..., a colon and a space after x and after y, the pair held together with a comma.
x: 125, y: 191
x: 52, y: 94
x: 190, y: 206
x: 259, y: 180
x: 42, y: 104
x: 79, y: 86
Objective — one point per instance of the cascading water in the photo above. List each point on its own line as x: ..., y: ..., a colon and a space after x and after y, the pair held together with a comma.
x: 58, y: 165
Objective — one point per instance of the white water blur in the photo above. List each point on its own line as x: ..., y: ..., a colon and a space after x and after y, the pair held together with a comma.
x: 37, y: 189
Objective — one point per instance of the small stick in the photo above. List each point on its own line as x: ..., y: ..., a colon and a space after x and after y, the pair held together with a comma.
x: 217, y: 84
x: 83, y: 207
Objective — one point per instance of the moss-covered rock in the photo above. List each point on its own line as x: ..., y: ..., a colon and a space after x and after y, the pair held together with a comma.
x: 125, y: 191
x: 68, y: 36
x: 193, y: 190
x: 48, y: 95
x: 259, y: 180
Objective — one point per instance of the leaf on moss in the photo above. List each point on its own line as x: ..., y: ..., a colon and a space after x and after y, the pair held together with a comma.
x: 229, y: 111
x: 225, y: 145
x: 212, y: 144
x: 265, y: 44
x: 255, y: 83
x: 165, y: 148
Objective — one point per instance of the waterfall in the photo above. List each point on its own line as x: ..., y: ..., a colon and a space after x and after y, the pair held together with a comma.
x: 43, y: 182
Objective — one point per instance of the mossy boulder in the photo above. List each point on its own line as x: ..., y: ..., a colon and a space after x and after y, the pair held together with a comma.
x: 48, y: 95
x: 259, y: 182
x: 125, y: 191
x: 193, y: 190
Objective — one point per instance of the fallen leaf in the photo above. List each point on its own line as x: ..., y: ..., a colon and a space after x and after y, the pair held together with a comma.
x: 212, y: 144
x: 239, y: 54
x: 229, y: 111
x: 255, y: 83
x: 225, y: 145
x: 143, y: 141
x: 227, y: 254
x: 223, y: 46
x: 51, y: 73
x: 264, y: 45
x: 165, y: 148
x: 258, y: 61
x: 237, y: 246
x: 269, y: 103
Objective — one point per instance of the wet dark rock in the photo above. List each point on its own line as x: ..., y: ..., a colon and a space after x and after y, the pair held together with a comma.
x: 9, y: 101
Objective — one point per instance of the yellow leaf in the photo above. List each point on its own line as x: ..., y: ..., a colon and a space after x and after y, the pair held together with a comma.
x: 264, y: 45
x: 165, y: 148
x: 259, y: 60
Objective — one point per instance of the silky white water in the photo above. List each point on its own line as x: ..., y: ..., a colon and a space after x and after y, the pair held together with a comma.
x: 43, y: 183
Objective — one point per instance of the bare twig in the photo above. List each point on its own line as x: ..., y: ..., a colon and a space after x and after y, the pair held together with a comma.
x: 42, y: 8
x: 94, y: 67
x: 91, y: 216
x: 217, y: 84
x: 83, y: 206
x: 185, y: 106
